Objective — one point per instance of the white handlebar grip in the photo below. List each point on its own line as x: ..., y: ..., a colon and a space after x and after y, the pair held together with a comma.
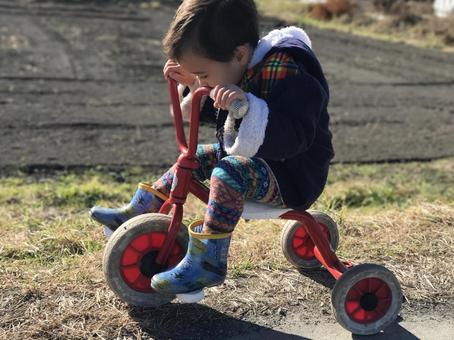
x: 239, y: 108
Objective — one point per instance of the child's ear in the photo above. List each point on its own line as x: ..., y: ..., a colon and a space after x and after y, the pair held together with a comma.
x: 242, y: 54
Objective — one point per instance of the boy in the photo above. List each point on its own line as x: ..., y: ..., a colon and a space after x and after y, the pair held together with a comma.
x: 278, y: 153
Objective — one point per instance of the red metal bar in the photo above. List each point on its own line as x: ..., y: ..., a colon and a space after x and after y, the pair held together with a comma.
x: 322, y: 249
x: 194, y: 119
x: 199, y: 190
x: 183, y: 181
x: 177, y: 116
x: 173, y: 230
x: 165, y: 207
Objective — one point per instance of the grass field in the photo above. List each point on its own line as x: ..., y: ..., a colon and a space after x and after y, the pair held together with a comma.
x: 51, y: 283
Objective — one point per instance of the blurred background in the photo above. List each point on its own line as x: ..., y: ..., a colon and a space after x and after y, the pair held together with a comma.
x: 82, y: 84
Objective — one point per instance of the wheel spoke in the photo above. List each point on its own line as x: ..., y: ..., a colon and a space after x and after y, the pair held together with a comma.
x: 371, y: 315
x: 141, y: 243
x: 143, y: 283
x: 360, y: 314
x: 374, y: 285
x: 131, y: 274
x: 300, y: 232
x: 303, y: 238
x: 352, y: 306
x: 362, y: 286
x: 383, y: 305
x: 135, y: 249
x: 302, y: 250
x: 157, y: 239
x: 129, y: 265
x: 382, y: 292
x: 370, y: 285
x: 355, y: 293
x: 297, y: 243
x: 130, y: 256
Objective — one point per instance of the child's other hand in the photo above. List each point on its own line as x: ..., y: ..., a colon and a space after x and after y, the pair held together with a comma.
x: 225, y: 95
x: 175, y: 71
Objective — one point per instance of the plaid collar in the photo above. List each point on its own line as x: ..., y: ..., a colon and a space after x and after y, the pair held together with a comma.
x: 275, y: 67
x: 249, y: 76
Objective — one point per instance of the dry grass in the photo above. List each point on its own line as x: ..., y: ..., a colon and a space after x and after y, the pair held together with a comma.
x: 412, y: 23
x: 51, y: 282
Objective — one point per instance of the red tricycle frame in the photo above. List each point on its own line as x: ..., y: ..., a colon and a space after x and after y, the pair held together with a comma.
x: 185, y: 183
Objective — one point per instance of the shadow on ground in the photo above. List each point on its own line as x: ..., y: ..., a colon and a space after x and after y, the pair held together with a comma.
x: 195, y: 321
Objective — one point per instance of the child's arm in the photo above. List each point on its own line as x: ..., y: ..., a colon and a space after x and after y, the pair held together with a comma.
x: 283, y: 126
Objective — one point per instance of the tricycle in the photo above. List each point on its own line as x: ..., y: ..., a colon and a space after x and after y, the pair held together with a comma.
x: 366, y: 298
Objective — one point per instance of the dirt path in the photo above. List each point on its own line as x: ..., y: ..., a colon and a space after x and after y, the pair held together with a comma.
x: 81, y: 85
x: 426, y: 327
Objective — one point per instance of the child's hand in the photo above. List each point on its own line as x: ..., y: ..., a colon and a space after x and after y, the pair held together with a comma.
x: 175, y: 71
x: 225, y: 95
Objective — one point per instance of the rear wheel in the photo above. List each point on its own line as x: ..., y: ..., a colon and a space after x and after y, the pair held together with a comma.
x: 298, y: 247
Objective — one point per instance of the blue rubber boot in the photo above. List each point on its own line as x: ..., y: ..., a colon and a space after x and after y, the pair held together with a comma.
x: 204, y: 265
x: 146, y: 199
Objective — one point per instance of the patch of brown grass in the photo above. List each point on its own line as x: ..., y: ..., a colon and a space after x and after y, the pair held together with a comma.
x: 52, y: 285
x: 70, y: 298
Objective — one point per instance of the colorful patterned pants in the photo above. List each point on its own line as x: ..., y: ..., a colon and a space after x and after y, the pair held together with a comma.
x: 233, y: 179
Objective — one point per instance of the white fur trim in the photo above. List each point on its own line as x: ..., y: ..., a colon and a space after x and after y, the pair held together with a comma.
x: 186, y: 102
x: 274, y: 37
x: 247, y: 141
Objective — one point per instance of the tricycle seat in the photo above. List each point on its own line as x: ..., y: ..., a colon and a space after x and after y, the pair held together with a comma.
x: 262, y: 211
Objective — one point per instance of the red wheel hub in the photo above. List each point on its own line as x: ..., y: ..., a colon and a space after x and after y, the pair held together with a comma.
x: 368, y: 300
x: 137, y: 260
x: 302, y: 243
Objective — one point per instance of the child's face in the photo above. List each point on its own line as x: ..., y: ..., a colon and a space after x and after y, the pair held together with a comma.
x: 212, y: 73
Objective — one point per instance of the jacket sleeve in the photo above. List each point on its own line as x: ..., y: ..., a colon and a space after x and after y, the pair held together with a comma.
x: 282, y: 127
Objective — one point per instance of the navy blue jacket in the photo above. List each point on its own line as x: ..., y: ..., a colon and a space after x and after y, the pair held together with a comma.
x: 297, y: 144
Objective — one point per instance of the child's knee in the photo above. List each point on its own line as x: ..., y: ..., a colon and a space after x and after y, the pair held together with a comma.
x: 230, y: 172
x: 231, y: 162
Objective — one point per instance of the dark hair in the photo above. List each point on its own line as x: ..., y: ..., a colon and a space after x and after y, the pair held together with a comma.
x: 212, y: 28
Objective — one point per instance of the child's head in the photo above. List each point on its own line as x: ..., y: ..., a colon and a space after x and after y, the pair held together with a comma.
x: 214, y: 39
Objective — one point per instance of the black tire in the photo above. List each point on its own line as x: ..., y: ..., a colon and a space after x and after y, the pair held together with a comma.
x: 366, y: 299
x: 292, y: 227
x: 154, y: 226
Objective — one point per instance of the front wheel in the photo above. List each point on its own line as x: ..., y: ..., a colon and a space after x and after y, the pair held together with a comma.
x: 130, y: 254
x: 366, y: 299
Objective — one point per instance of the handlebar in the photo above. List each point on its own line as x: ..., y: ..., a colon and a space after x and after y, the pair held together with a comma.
x: 194, y: 117
x: 238, y: 109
